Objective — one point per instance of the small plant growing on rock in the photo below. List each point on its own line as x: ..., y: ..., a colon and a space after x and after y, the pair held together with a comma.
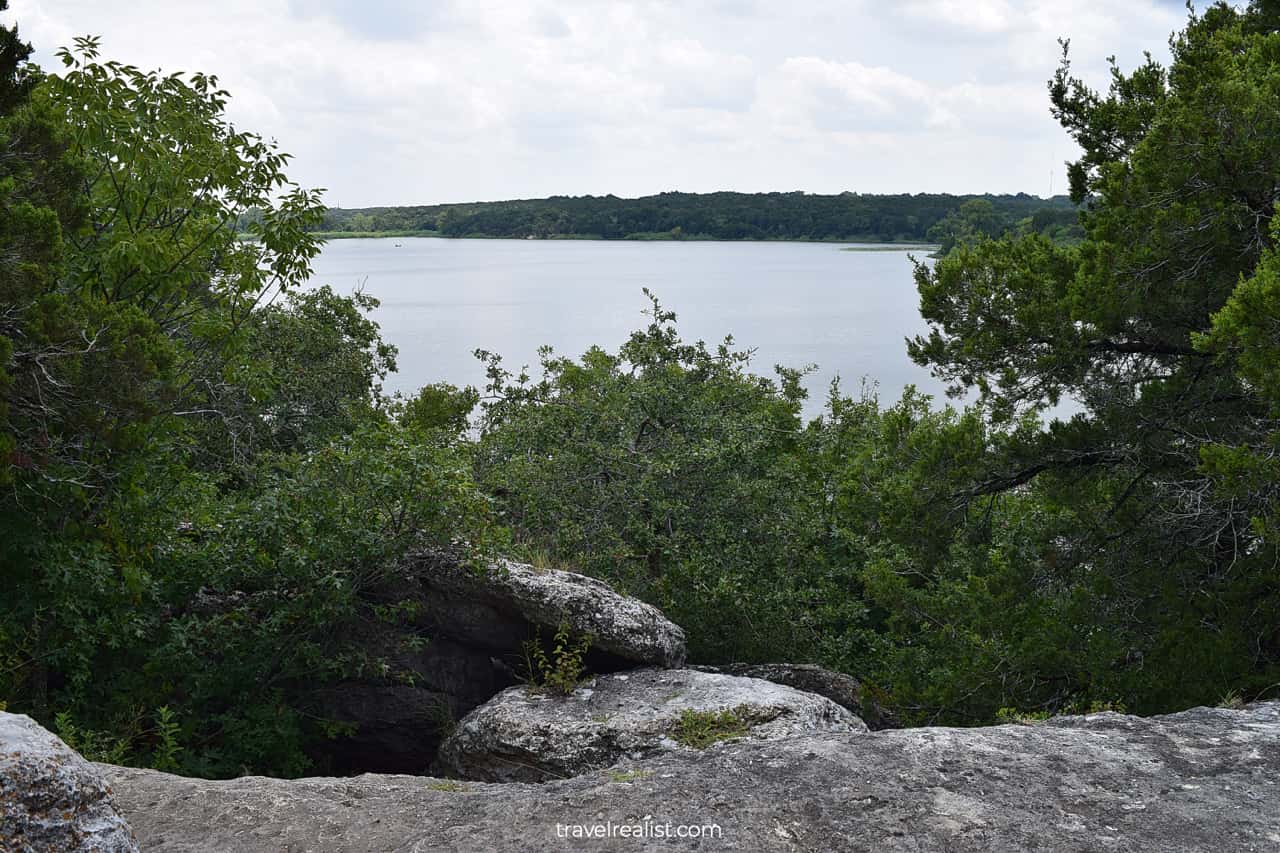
x: 1020, y: 718
x: 167, y: 748
x: 629, y: 775
x: 560, y: 671
x: 450, y: 786
x: 701, y: 729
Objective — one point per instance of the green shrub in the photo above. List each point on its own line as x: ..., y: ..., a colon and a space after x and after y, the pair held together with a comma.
x: 1021, y: 718
x: 561, y: 670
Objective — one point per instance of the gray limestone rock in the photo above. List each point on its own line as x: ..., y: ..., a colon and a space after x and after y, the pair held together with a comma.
x: 524, y: 735
x: 51, y: 799
x: 619, y: 625
x: 475, y: 624
x: 845, y: 690
x: 1201, y: 780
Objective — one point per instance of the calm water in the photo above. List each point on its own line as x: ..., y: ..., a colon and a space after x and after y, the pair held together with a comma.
x: 795, y: 303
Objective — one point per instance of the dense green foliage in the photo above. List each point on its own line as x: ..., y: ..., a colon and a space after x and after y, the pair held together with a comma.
x: 206, y: 498
x: 710, y: 216
x: 1162, y: 480
x: 203, y: 486
x: 669, y: 470
x: 673, y: 472
x: 978, y: 219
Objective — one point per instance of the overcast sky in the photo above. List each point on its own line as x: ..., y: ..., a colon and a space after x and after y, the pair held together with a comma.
x: 422, y: 101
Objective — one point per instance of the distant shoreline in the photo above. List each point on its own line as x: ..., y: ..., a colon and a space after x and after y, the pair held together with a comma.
x: 790, y: 217
x: 870, y: 244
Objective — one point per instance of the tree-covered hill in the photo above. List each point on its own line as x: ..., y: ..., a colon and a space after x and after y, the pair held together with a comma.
x: 712, y: 216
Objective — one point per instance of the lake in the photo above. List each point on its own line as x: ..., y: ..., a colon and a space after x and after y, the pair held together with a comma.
x: 794, y: 303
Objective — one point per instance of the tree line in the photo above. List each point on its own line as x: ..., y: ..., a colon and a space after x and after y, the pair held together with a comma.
x: 715, y: 216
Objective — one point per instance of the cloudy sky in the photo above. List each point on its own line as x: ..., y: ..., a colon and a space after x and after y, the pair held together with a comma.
x: 421, y: 101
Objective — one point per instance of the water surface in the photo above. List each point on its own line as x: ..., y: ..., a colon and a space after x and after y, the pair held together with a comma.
x: 794, y: 303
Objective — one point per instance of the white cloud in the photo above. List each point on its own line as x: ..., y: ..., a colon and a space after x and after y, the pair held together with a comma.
x: 808, y: 95
x: 694, y: 76
x: 393, y: 101
x: 965, y: 17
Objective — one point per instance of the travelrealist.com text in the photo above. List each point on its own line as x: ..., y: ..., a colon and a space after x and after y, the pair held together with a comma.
x: 642, y: 829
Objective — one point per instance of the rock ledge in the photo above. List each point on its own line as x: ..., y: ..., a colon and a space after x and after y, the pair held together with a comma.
x: 1204, y: 779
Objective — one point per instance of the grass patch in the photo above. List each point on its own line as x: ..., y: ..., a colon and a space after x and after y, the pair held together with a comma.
x: 701, y: 729
x: 629, y: 775
x: 543, y: 561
